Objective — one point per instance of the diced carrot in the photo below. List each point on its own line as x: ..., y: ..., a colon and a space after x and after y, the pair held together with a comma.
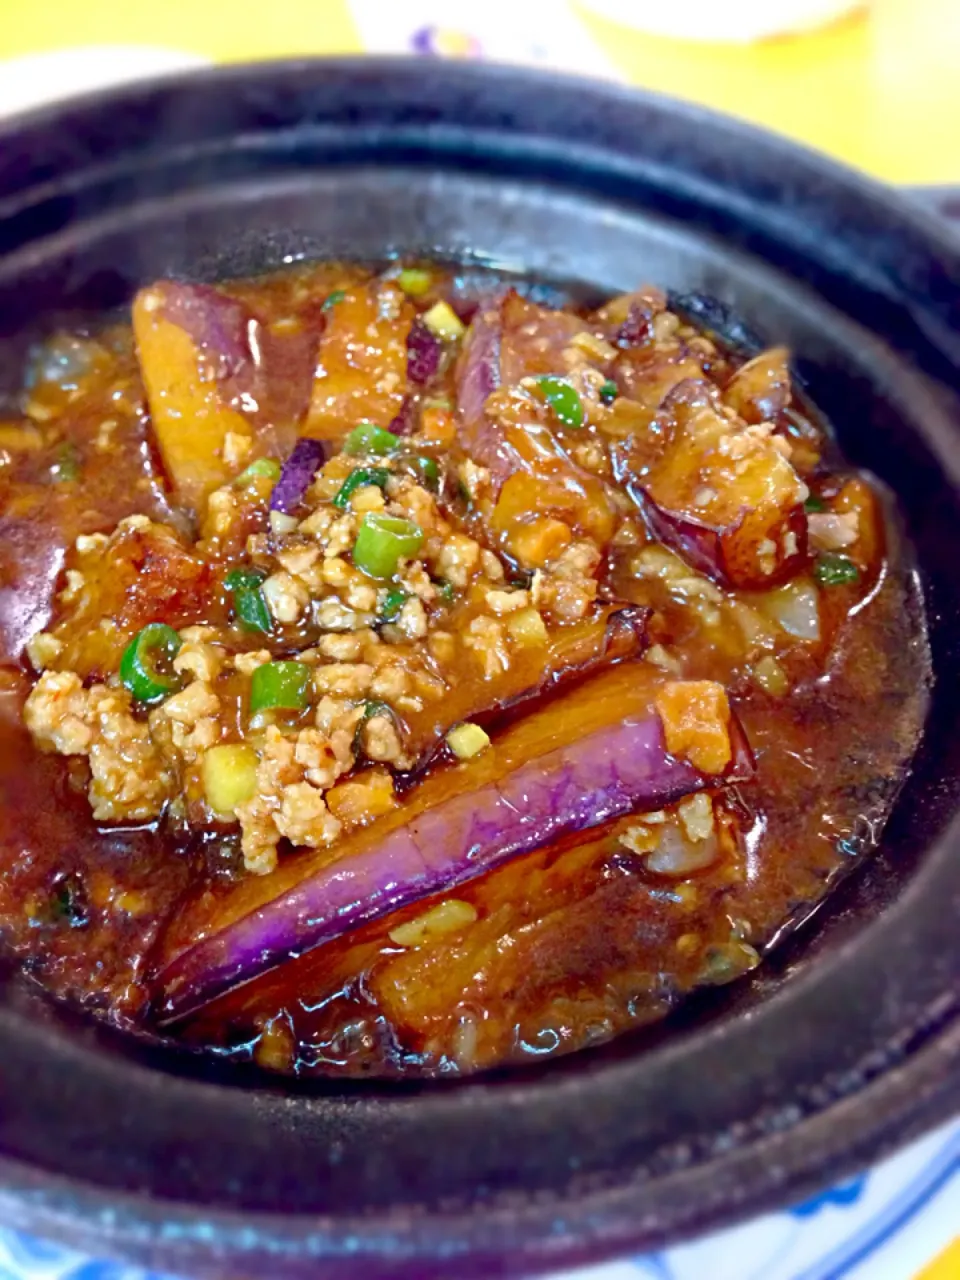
x: 696, y: 722
x: 368, y: 796
x: 437, y: 426
x: 537, y: 543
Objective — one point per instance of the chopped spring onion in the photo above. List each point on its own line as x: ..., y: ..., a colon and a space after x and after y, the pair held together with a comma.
x: 393, y: 602
x: 367, y: 437
x: 382, y: 540
x: 443, y: 322
x: 229, y: 776
x: 356, y: 480
x: 66, y: 468
x: 467, y: 740
x: 429, y: 471
x: 609, y: 391
x: 146, y: 668
x: 282, y: 685
x: 249, y: 603
x: 332, y: 299
x: 814, y: 503
x: 68, y: 903
x: 370, y: 710
x: 265, y: 468
x: 414, y: 281
x: 562, y: 399
x: 835, y: 571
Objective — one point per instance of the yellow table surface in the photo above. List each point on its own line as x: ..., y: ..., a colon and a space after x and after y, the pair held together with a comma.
x: 880, y: 89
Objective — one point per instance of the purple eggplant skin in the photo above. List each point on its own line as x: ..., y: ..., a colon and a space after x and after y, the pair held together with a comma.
x: 727, y: 554
x: 424, y: 352
x: 478, y: 370
x: 297, y: 475
x: 611, y: 772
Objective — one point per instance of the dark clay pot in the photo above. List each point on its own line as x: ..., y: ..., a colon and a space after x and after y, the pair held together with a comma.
x: 847, y: 1041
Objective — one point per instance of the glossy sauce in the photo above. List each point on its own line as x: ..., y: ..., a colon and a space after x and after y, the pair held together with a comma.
x: 568, y: 945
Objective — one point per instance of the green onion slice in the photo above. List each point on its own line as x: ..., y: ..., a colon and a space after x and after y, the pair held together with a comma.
x: 562, y: 399
x: 281, y: 685
x: 356, y: 480
x: 367, y: 437
x: 249, y: 603
x: 382, y: 540
x: 146, y: 668
x: 835, y: 571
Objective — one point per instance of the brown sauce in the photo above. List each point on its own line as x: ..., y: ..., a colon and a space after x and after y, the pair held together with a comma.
x: 819, y: 644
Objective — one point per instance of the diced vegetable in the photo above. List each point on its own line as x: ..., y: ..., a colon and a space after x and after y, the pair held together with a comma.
x: 727, y: 963
x: 467, y: 740
x: 280, y: 686
x: 540, y: 541
x: 814, y: 504
x: 281, y: 523
x: 363, y: 797
x: 146, y: 668
x: 609, y: 391
x: 356, y: 480
x: 795, y: 607
x: 297, y: 475
x: 249, y: 603
x: 261, y: 468
x: 66, y: 469
x: 69, y: 903
x: 563, y: 400
x: 424, y: 351
x: 429, y: 470
x: 333, y: 298
x: 373, y: 708
x: 696, y: 722
x: 526, y: 626
x: 835, y: 570
x: 771, y: 677
x: 393, y: 602
x: 367, y: 437
x: 584, y: 759
x: 414, y: 281
x: 382, y: 540
x: 443, y: 322
x: 229, y: 776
